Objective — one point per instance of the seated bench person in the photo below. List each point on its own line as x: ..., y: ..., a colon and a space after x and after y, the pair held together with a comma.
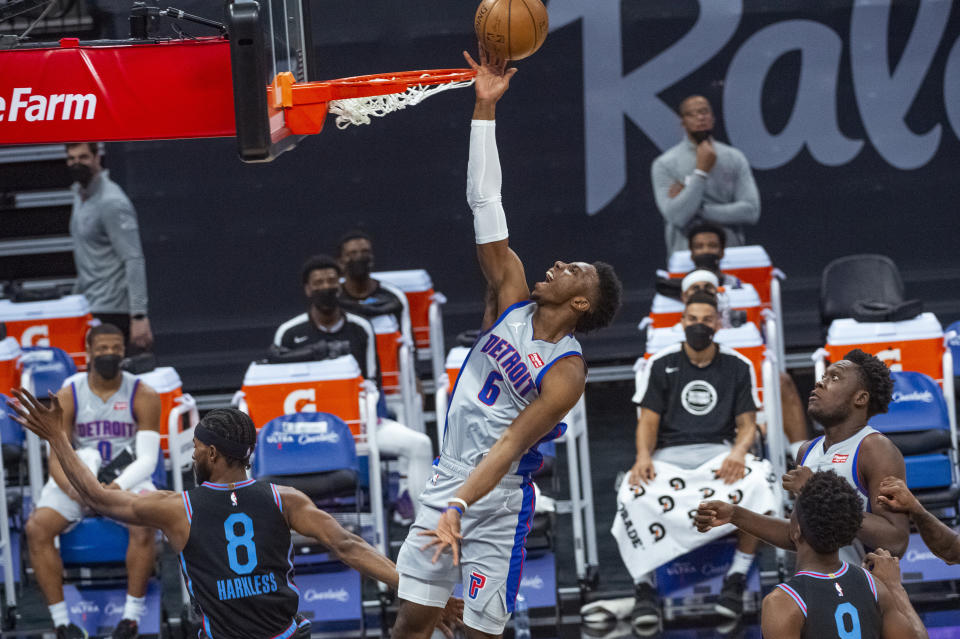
x: 707, y: 243
x: 361, y: 294
x: 327, y: 330
x: 696, y: 401
x: 105, y: 411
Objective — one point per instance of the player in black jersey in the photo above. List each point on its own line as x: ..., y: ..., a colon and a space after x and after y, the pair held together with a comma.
x: 827, y: 597
x: 232, y: 533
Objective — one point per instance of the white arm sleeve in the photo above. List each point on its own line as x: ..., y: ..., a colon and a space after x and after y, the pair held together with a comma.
x: 148, y: 451
x: 483, y: 183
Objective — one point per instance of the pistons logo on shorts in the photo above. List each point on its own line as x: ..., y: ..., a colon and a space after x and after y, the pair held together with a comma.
x: 477, y: 582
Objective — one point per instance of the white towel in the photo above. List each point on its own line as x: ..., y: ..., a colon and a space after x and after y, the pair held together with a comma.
x: 654, y: 522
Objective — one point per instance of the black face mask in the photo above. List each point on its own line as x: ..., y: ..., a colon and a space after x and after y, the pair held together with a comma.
x: 107, y: 366
x: 360, y: 268
x: 81, y: 174
x: 700, y: 136
x: 707, y: 261
x: 324, y: 299
x: 699, y: 336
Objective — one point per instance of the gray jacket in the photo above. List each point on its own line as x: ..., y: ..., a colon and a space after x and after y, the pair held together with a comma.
x: 728, y: 197
x: 111, y: 272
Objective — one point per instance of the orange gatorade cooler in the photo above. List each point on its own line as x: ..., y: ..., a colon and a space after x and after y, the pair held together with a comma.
x: 745, y: 339
x: 166, y: 382
x: 327, y: 386
x: 455, y: 359
x: 9, y: 365
x: 749, y: 263
x: 666, y: 311
x: 911, y: 345
x: 61, y: 322
x: 388, y: 343
x: 418, y: 288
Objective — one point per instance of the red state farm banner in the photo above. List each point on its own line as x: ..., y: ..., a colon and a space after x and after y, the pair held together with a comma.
x: 72, y: 93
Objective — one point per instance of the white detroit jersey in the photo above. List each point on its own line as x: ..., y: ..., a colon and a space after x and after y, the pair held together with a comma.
x: 501, y: 375
x: 106, y: 425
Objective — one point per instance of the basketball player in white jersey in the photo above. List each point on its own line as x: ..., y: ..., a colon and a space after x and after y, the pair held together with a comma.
x: 524, y: 373
x: 850, y: 392
x: 105, y: 411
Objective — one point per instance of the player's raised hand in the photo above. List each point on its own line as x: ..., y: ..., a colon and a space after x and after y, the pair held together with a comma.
x: 493, y: 76
x: 711, y: 514
x: 447, y: 533
x: 895, y: 495
x: 34, y: 416
x: 795, y: 479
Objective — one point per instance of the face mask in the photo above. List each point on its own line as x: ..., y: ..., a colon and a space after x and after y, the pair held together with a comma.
x: 699, y: 336
x: 324, y: 299
x: 107, y: 366
x: 359, y: 268
x: 81, y: 174
x: 700, y: 136
x: 707, y: 261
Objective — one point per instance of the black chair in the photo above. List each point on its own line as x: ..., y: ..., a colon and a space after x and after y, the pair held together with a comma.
x: 857, y: 278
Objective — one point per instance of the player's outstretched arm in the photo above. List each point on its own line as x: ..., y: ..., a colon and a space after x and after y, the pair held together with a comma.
x: 899, y: 617
x: 773, y: 530
x: 304, y: 517
x: 162, y: 509
x: 939, y: 538
x: 780, y: 616
x: 500, y: 265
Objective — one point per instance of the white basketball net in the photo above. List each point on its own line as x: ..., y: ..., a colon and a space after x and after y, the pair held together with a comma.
x: 358, y: 111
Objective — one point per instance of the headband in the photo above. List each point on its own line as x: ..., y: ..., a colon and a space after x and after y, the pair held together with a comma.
x: 226, y: 446
x: 699, y: 275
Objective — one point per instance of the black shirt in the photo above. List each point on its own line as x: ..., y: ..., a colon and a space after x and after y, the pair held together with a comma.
x: 238, y: 561
x: 382, y: 301
x: 355, y: 334
x: 696, y: 405
x: 835, y: 606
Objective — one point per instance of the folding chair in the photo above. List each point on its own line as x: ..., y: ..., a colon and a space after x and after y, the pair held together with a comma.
x: 333, y: 386
x: 426, y: 320
x: 315, y: 453
x: 852, y: 278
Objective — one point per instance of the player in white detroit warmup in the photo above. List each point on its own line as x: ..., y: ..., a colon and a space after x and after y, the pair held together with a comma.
x: 524, y: 373
x: 105, y: 410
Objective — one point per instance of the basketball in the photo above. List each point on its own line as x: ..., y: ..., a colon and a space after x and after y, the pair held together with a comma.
x: 511, y: 29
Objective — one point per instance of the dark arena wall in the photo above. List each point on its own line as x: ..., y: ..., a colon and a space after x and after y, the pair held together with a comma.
x: 850, y: 118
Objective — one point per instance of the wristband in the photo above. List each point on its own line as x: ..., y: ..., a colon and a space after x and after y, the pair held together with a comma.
x: 457, y: 500
x: 701, y: 173
x: 456, y: 508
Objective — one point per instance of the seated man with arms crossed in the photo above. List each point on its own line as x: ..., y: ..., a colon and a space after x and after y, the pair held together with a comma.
x: 105, y: 411
x: 696, y: 400
x: 326, y: 330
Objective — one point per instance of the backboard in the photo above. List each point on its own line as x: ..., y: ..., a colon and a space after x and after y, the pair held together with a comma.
x: 267, y: 37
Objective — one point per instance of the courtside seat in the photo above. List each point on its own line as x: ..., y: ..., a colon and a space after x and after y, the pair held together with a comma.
x: 847, y: 280
x: 94, y: 541
x: 312, y: 452
x: 918, y: 423
x: 11, y: 436
x: 45, y: 369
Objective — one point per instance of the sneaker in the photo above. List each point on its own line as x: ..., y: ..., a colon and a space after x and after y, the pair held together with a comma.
x: 646, y: 609
x: 403, y: 513
x: 72, y: 631
x: 126, y: 629
x: 730, y: 603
